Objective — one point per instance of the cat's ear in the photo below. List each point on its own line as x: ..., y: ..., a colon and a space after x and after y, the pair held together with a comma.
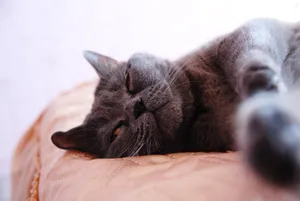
x: 102, y: 64
x: 71, y: 139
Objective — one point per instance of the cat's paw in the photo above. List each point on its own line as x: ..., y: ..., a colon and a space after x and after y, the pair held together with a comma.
x: 272, y: 152
x: 270, y: 141
x: 260, y: 78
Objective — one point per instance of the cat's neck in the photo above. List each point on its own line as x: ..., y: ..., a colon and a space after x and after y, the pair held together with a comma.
x: 202, y: 71
x: 214, y: 97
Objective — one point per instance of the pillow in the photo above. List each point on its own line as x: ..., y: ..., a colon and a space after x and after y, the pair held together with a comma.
x: 43, y: 172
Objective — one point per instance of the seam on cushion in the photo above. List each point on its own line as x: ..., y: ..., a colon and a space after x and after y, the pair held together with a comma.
x: 34, y: 188
x: 33, y: 194
x: 109, y: 177
x: 223, y: 159
x: 78, y: 172
x: 133, y: 161
x: 212, y: 160
x: 115, y: 172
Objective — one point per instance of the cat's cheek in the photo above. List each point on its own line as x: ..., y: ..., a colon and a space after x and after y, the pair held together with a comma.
x: 169, y: 125
x: 117, y: 149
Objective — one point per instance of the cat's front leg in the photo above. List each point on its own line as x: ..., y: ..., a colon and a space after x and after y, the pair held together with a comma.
x: 268, y: 134
x: 268, y: 129
x: 252, y: 56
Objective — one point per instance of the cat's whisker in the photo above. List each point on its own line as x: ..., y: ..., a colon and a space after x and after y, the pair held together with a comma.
x: 183, y: 83
x: 154, y: 139
x: 174, y: 72
x: 177, y: 71
x: 138, y: 148
x: 157, y: 88
x: 125, y: 149
x: 171, y: 71
x: 136, y: 153
x: 139, y: 142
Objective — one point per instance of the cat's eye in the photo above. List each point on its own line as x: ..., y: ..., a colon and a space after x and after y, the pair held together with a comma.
x: 116, y: 132
x: 128, y: 82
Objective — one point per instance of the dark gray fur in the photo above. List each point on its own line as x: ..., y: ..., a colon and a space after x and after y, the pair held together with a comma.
x: 190, y: 104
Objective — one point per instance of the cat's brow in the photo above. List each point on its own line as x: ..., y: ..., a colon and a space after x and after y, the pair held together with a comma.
x: 98, y: 120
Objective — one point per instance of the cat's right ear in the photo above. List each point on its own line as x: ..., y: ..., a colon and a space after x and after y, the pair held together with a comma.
x: 102, y: 64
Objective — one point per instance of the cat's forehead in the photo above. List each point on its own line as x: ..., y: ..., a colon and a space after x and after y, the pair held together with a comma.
x: 144, y: 60
x: 114, y: 79
x: 110, y: 103
x: 139, y: 56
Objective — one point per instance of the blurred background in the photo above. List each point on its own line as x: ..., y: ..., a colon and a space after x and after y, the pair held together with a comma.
x: 41, y: 44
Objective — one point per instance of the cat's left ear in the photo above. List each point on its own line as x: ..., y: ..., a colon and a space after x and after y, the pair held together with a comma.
x: 102, y: 64
x: 71, y: 139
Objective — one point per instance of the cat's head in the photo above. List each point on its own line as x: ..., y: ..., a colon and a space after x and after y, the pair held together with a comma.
x: 141, y: 107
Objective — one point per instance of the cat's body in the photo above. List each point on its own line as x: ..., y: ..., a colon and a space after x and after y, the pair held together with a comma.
x: 148, y: 105
x: 217, y: 68
x: 215, y: 101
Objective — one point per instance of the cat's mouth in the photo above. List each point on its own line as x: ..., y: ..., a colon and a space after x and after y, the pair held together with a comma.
x: 155, y: 128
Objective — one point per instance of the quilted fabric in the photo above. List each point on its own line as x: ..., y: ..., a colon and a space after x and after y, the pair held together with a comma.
x: 43, y: 172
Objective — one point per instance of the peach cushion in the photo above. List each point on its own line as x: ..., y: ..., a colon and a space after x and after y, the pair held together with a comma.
x: 43, y: 172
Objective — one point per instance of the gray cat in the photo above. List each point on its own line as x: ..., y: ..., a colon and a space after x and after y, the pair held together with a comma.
x: 149, y: 105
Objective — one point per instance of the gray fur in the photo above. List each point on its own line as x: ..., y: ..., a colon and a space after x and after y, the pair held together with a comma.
x: 189, y: 104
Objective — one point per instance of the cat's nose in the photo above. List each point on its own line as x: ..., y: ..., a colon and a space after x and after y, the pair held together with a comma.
x: 135, y: 108
x: 139, y: 108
